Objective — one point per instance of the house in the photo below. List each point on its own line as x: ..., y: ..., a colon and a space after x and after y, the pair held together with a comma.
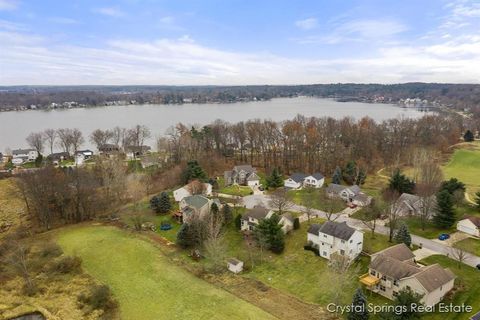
x: 108, y: 149
x: 413, y: 205
x: 244, y: 175
x: 186, y: 191
x: 299, y: 180
x: 335, y: 238
x: 252, y: 218
x: 20, y: 156
x: 394, y: 269
x: 58, y: 157
x: 350, y: 194
x: 470, y: 225
x: 134, y: 152
x: 197, y: 205
x: 235, y: 265
x: 83, y: 155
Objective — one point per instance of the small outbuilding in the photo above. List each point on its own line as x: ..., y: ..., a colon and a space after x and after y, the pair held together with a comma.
x: 235, y: 265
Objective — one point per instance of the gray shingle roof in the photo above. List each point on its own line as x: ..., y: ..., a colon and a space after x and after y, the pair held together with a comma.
x: 314, y: 228
x: 298, y: 177
x: 434, y: 276
x: 317, y: 175
x: 244, y: 167
x: 196, y: 201
x: 337, y: 229
x: 21, y: 151
x: 257, y: 212
x: 474, y: 220
x: 335, y: 188
x: 400, y: 252
x: 392, y: 267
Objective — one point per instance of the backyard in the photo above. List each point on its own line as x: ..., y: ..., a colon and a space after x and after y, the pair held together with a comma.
x: 146, y: 284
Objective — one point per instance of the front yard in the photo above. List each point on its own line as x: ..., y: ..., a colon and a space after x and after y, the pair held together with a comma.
x: 318, y: 198
x: 470, y: 245
x: 234, y: 190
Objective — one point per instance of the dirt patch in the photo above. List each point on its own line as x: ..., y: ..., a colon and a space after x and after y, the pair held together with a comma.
x: 275, y: 302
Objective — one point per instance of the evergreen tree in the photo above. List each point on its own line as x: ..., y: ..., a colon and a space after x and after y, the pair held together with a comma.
x: 477, y: 199
x: 269, y: 232
x: 400, y: 183
x: 337, y: 176
x: 155, y: 203
x: 403, y: 235
x: 275, y: 180
x: 38, y: 160
x: 238, y: 221
x: 360, y: 306
x: 184, y: 236
x: 214, y: 209
x: 445, y: 214
x: 164, y: 205
x: 193, y: 171
x: 361, y: 176
x: 227, y: 213
x: 296, y: 224
x: 409, y: 302
x: 452, y: 185
x: 350, y: 172
x: 468, y: 136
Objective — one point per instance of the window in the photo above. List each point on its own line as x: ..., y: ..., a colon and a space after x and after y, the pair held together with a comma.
x: 351, y: 241
x: 324, y: 235
x: 343, y: 241
x: 408, y: 288
x: 373, y: 273
x: 441, y: 287
x: 395, y: 283
x: 382, y: 288
x: 395, y: 293
x: 324, y: 253
x: 384, y: 278
x: 342, y: 252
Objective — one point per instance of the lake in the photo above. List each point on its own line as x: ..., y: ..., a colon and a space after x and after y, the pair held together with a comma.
x: 15, y: 126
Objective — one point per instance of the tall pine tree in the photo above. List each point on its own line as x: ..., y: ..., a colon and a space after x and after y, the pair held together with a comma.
x: 468, y: 136
x: 164, y: 205
x: 400, y: 183
x: 269, y: 232
x: 359, y: 306
x: 445, y: 213
x: 403, y: 235
x: 337, y: 176
x: 350, y: 172
x: 275, y: 179
x: 193, y: 172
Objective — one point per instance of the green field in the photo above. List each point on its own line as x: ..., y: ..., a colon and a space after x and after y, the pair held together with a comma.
x: 145, y: 283
x: 469, y: 245
x: 320, y: 199
x: 465, y: 166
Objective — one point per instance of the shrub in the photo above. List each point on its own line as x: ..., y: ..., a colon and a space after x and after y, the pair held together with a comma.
x: 50, y: 250
x: 99, y: 298
x: 296, y: 224
x: 67, y: 264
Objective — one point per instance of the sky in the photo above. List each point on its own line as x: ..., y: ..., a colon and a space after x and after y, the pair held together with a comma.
x: 238, y: 42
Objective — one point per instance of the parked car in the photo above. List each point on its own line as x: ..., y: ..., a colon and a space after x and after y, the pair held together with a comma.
x: 443, y: 237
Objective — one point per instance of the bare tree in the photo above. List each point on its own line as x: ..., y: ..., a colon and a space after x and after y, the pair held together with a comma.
x: 76, y: 139
x: 196, y: 187
x: 392, y: 211
x: 371, y: 214
x: 18, y: 260
x: 429, y: 180
x: 36, y: 141
x: 50, y: 137
x: 340, y: 274
x: 281, y: 201
x: 138, y: 134
x: 65, y: 140
x: 460, y: 255
x: 101, y: 137
x: 331, y: 205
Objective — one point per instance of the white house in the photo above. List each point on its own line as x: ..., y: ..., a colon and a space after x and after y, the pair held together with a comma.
x: 299, y: 180
x: 350, y: 194
x: 470, y: 225
x: 83, y: 155
x: 186, y: 191
x: 252, y: 217
x: 20, y: 156
x: 335, y: 238
x: 235, y: 265
x: 394, y: 269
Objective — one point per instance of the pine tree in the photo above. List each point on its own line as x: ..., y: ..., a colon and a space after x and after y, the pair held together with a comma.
x: 164, y: 205
x: 468, y: 136
x: 337, y: 176
x: 227, y: 213
x: 296, y: 224
x: 184, y: 237
x: 350, y: 172
x: 155, y: 203
x: 400, y: 183
x: 403, y: 235
x: 361, y: 176
x: 360, y: 306
x: 275, y: 180
x: 445, y: 213
x: 269, y: 232
x: 194, y: 171
x: 238, y: 221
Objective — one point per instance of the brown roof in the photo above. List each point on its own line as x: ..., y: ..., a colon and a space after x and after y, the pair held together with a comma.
x: 434, y: 276
x: 400, y: 252
x: 392, y: 267
x: 474, y: 220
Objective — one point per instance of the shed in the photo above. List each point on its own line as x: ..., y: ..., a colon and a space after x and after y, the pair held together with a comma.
x: 235, y: 265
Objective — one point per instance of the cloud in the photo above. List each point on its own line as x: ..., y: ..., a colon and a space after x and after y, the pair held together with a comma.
x: 109, y: 11
x: 63, y: 20
x: 7, y: 5
x: 307, y: 24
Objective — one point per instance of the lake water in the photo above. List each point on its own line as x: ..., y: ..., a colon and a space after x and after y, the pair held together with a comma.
x: 15, y: 126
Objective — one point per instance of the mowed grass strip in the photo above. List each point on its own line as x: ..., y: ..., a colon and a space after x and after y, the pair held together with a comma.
x: 465, y: 166
x: 145, y: 283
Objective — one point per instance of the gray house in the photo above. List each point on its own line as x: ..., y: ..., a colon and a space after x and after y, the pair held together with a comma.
x: 243, y: 175
x: 412, y: 205
x: 350, y: 194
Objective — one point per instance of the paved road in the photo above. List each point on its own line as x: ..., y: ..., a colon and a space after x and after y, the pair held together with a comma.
x: 439, y: 248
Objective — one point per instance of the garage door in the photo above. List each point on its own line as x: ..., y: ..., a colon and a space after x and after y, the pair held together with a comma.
x: 466, y: 229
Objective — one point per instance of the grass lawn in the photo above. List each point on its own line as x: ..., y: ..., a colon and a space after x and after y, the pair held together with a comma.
x: 430, y: 232
x: 320, y: 199
x: 469, y: 245
x: 465, y: 166
x: 146, y: 284
x: 467, y: 288
x: 236, y: 190
x: 372, y: 245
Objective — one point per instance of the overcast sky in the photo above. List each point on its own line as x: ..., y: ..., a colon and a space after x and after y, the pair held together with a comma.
x: 200, y: 42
